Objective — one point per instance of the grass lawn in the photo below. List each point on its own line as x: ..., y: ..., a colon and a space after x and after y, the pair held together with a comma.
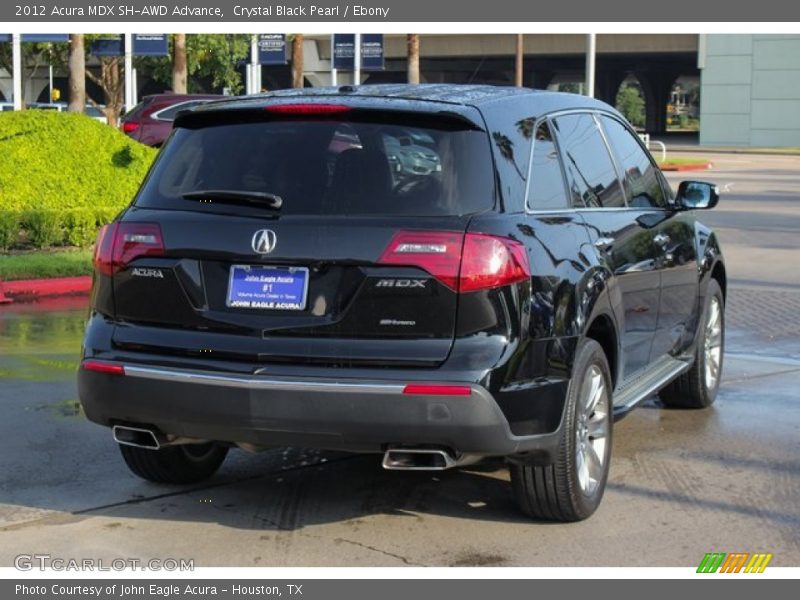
x: 684, y: 161
x: 45, y: 263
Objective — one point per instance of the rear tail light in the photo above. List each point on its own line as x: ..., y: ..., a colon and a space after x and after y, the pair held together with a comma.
x: 490, y: 261
x: 104, y: 250
x: 307, y: 109
x: 464, y: 263
x: 130, y: 126
x: 437, y: 252
x: 118, y: 244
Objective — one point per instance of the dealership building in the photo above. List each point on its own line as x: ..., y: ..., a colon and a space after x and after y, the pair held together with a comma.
x: 749, y: 85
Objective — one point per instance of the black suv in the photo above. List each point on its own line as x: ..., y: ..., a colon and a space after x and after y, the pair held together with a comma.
x: 434, y: 273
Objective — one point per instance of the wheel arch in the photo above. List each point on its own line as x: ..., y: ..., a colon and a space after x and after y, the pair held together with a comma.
x: 602, y: 329
x: 719, y: 273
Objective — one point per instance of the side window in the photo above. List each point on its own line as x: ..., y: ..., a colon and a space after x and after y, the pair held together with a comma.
x: 546, y: 186
x: 641, y: 175
x: 512, y: 137
x: 591, y: 175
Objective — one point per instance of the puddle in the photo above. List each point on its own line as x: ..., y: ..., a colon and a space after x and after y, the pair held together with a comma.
x: 41, y: 341
x: 65, y: 408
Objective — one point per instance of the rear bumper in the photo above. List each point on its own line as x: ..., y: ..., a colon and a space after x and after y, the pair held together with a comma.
x: 360, y: 415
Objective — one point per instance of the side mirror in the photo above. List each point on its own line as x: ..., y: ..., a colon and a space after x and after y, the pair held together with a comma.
x: 696, y: 195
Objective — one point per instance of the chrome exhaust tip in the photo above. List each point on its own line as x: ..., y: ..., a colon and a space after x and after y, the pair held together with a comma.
x: 418, y: 459
x: 136, y: 436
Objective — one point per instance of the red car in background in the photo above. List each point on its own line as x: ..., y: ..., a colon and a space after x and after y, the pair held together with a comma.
x: 150, y: 121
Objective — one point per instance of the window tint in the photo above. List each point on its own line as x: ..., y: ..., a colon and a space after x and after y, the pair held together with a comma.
x: 546, y: 189
x: 512, y: 138
x: 590, y: 171
x: 327, y: 167
x: 641, y: 176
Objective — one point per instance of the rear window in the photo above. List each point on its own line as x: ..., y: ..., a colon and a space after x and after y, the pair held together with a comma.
x: 327, y: 167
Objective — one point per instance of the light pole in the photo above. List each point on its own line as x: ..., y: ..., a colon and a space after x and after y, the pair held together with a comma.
x: 129, y: 98
x: 334, y: 73
x: 16, y: 44
x: 357, y: 59
x: 591, y: 50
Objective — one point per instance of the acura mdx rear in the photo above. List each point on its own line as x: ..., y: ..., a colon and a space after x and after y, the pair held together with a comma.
x: 339, y: 269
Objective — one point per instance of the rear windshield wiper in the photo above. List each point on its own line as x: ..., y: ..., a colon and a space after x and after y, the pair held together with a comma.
x: 271, y: 200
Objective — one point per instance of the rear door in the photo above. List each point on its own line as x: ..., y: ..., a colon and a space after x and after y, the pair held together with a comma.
x: 620, y: 234
x: 355, y: 266
x: 673, y: 240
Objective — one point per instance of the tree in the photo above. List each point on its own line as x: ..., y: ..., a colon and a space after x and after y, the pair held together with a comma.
x: 209, y: 56
x: 412, y: 42
x: 297, y: 60
x: 180, y: 72
x: 631, y: 104
x: 518, y: 61
x: 109, y: 78
x: 112, y: 82
x: 570, y: 87
x: 77, y: 73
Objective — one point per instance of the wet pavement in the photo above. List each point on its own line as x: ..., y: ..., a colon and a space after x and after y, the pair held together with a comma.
x: 682, y: 482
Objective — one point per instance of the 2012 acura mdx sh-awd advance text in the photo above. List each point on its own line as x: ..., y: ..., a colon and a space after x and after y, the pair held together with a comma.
x: 434, y: 273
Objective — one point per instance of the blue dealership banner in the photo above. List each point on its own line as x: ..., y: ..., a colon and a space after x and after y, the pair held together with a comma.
x: 344, y: 51
x: 372, y: 51
x: 144, y: 44
x: 150, y: 44
x: 344, y: 45
x: 272, y: 49
x: 107, y: 47
x: 38, y: 37
x: 43, y: 38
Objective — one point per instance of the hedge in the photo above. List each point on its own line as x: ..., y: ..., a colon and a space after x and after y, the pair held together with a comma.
x: 45, y: 228
x: 62, y: 175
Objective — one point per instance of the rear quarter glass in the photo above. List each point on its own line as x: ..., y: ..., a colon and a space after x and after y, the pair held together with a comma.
x: 327, y: 166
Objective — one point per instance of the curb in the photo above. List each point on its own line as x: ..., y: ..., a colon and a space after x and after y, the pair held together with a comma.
x: 679, y: 148
x: 697, y: 167
x: 25, y: 290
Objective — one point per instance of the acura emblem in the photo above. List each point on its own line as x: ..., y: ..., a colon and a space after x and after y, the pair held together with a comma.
x: 264, y: 241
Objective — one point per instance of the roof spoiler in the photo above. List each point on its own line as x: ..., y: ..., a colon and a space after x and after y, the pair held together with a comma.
x: 208, y: 115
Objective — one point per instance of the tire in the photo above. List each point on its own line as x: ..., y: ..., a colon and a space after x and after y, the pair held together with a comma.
x: 696, y: 388
x: 564, y: 490
x: 174, y: 464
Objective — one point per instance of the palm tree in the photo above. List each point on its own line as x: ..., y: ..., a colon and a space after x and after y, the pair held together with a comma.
x: 297, y: 60
x: 518, y: 61
x: 77, y: 73
x: 179, y: 66
x: 413, y: 57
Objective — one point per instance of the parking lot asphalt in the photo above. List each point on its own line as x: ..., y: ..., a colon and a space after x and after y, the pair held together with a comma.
x: 682, y: 482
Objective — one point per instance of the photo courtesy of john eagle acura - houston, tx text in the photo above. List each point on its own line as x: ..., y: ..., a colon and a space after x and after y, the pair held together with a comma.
x: 433, y: 273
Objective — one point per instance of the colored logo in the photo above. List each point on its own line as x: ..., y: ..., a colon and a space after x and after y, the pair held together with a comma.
x: 735, y: 562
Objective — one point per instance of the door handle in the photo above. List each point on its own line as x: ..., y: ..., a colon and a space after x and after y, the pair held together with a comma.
x: 604, y: 243
x: 661, y: 239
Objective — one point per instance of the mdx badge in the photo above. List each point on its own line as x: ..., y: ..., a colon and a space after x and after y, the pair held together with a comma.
x: 401, y: 283
x: 264, y: 241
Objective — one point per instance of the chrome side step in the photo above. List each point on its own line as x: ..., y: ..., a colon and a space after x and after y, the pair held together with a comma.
x: 642, y: 387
